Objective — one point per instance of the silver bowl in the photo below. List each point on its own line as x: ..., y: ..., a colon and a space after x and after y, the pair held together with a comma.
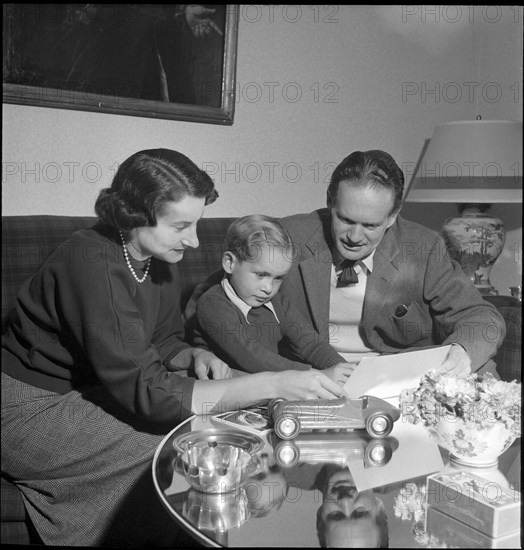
x: 212, y: 467
x: 216, y: 512
x: 252, y: 443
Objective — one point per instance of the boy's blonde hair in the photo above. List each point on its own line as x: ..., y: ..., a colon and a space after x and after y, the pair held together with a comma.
x: 248, y: 234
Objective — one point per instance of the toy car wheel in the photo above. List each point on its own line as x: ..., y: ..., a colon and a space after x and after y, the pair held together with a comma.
x: 379, y: 425
x: 287, y: 454
x: 287, y: 427
x: 378, y: 453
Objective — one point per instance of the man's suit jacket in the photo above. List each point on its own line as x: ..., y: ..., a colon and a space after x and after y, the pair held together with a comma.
x: 411, y: 268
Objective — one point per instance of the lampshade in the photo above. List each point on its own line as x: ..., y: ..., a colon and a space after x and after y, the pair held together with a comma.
x: 469, y: 163
x: 477, y: 161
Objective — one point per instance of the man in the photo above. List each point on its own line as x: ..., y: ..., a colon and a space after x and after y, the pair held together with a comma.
x: 373, y: 283
x: 347, y: 517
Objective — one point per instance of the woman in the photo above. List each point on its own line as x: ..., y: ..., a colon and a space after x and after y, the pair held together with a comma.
x: 88, y: 363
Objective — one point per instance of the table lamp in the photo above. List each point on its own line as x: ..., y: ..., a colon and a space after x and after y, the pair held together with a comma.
x: 474, y: 164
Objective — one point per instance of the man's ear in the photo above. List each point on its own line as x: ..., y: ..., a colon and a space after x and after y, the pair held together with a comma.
x: 392, y: 218
x: 228, y: 261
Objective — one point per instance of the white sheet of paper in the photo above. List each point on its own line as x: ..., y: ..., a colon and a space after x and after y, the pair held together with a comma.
x: 385, y: 376
x: 417, y: 455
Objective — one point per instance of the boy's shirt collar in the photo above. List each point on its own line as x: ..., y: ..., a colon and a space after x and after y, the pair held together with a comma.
x: 237, y: 301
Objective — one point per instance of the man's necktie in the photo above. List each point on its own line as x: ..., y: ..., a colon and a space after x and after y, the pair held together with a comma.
x: 348, y: 275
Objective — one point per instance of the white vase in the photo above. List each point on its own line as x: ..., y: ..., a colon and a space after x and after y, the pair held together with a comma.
x: 470, y: 445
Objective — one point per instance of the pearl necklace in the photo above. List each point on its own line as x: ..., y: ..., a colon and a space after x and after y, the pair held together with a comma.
x: 126, y: 256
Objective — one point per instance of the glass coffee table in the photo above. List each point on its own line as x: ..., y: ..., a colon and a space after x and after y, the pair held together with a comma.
x: 341, y: 489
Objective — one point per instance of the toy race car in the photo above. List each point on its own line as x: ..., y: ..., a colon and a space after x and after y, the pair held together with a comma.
x: 374, y: 415
x: 340, y: 448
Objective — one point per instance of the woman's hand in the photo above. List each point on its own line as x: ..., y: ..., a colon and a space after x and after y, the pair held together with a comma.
x: 211, y: 396
x: 313, y: 384
x: 340, y: 372
x: 206, y: 363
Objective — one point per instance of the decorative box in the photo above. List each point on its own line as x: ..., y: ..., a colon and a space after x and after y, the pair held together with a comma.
x: 485, y: 505
x: 447, y: 532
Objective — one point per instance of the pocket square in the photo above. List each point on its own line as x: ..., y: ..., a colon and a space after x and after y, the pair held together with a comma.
x: 401, y: 310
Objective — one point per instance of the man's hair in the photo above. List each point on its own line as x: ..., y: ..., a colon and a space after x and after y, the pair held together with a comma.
x: 375, y: 168
x: 248, y: 234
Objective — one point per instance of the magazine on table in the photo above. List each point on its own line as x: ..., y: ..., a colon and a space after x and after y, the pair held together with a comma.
x: 254, y: 420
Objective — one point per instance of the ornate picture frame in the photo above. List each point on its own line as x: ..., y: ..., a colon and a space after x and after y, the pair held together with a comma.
x: 162, y: 61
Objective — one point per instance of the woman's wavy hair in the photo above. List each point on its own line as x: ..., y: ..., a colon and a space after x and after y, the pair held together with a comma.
x: 375, y: 168
x: 145, y: 182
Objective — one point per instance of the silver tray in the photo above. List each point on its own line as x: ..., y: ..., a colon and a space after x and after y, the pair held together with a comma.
x: 250, y: 442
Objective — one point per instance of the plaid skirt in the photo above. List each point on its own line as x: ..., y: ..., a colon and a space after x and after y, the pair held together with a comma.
x: 85, y: 475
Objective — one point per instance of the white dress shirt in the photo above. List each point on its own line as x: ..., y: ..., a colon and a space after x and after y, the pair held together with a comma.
x: 345, y: 313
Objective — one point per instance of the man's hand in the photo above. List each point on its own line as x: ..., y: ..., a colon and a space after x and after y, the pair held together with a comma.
x: 340, y: 372
x: 457, y: 361
x: 206, y: 363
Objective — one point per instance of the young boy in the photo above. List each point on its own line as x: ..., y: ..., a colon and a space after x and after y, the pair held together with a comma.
x: 243, y: 318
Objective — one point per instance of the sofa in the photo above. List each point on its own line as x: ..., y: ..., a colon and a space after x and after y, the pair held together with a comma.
x: 28, y: 240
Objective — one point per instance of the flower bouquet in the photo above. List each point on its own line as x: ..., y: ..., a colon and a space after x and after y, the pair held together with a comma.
x: 410, y: 505
x: 475, y: 417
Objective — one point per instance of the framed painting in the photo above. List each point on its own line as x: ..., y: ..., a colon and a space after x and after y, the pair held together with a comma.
x: 168, y: 61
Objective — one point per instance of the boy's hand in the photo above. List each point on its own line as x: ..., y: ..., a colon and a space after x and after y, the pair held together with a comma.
x: 206, y: 363
x: 340, y: 372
